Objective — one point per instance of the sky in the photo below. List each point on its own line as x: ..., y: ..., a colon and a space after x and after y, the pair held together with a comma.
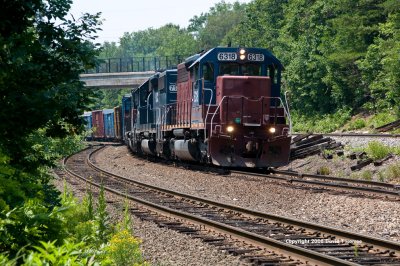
x: 133, y: 15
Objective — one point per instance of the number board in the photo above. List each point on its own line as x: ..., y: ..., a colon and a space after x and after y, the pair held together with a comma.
x: 172, y: 87
x: 255, y: 57
x: 227, y: 56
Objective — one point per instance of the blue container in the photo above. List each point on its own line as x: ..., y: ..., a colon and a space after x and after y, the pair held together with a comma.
x: 109, y: 131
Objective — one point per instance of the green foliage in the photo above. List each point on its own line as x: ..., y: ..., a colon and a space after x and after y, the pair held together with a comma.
x: 357, y: 124
x: 48, y: 253
x: 169, y: 40
x: 376, y: 150
x: 320, y: 123
x: 106, y: 99
x: 381, y: 119
x: 102, y: 219
x: 42, y: 54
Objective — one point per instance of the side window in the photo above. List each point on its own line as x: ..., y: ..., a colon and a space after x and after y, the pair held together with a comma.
x: 208, y: 71
x: 272, y: 74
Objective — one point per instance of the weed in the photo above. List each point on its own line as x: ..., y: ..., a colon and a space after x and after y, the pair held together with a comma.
x: 324, y: 170
x: 355, y: 250
x: 102, y: 218
x: 367, y: 175
x: 381, y: 176
x: 354, y: 176
x: 376, y: 150
x: 393, y: 171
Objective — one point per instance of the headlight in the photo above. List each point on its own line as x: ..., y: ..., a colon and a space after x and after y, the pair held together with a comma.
x: 230, y: 129
x: 272, y: 130
x: 242, y: 51
x: 242, y: 57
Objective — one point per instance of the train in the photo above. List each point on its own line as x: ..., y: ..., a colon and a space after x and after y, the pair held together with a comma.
x: 222, y: 106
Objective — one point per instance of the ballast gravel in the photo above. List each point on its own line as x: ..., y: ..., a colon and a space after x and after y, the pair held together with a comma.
x: 348, y: 211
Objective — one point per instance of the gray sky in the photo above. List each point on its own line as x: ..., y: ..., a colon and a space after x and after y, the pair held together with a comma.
x: 133, y: 15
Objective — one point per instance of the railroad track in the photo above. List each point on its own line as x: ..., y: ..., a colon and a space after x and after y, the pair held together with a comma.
x: 350, y: 134
x: 267, y: 239
x: 389, y: 191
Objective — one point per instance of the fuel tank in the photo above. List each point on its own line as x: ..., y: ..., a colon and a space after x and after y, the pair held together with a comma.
x: 186, y: 150
x: 148, y: 146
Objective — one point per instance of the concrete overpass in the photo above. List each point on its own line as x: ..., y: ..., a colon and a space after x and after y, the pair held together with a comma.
x: 115, y: 80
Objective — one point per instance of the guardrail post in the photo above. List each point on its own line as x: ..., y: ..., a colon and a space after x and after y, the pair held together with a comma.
x: 109, y: 65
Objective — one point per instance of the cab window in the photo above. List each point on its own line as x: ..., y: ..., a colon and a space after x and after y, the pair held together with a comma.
x: 229, y: 69
x: 251, y: 70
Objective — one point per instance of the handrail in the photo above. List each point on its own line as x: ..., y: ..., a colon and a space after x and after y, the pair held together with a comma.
x: 136, y: 64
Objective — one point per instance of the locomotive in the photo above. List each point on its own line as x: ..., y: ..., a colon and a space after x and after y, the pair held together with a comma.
x: 222, y: 106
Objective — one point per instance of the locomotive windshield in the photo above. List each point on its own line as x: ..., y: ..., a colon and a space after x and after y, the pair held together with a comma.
x: 235, y: 69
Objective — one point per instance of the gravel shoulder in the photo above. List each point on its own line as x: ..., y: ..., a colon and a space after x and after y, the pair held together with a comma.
x: 363, y: 215
x: 160, y: 246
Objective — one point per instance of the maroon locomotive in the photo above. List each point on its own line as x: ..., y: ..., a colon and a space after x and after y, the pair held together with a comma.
x: 222, y: 106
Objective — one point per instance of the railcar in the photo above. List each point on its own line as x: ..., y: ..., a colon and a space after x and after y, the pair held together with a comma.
x: 222, y: 106
x: 98, y: 124
x: 108, y: 118
x: 118, y: 123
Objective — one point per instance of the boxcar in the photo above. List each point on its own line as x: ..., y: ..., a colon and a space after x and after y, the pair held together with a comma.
x: 98, y: 124
x: 117, y: 123
x: 109, y: 124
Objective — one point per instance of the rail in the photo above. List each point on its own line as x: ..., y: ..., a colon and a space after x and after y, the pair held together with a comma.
x: 252, y: 226
x: 136, y: 64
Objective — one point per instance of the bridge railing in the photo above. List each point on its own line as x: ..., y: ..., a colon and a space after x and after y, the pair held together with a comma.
x: 136, y: 64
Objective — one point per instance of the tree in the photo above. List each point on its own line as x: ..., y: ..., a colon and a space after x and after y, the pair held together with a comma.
x: 380, y: 69
x: 43, y: 52
x: 213, y: 28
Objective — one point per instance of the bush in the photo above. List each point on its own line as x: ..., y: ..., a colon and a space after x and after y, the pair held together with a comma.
x: 320, y: 123
x: 357, y: 124
x: 124, y: 249
x: 48, y: 253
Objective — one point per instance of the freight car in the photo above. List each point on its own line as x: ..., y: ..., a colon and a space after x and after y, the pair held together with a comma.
x: 222, y: 106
